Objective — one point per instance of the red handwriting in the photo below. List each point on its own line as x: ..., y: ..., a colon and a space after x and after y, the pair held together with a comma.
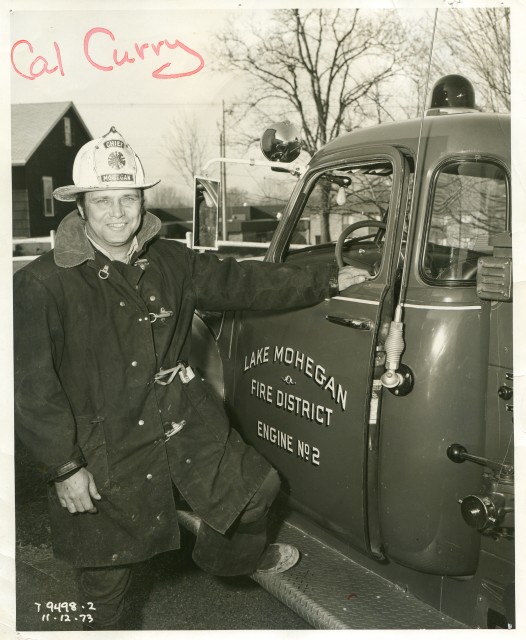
x: 38, y: 65
x: 124, y: 57
x: 97, y: 39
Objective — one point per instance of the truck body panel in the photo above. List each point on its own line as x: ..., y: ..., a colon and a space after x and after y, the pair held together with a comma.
x: 387, y: 475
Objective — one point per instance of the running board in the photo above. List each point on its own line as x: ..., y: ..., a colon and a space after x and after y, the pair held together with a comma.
x: 331, y: 591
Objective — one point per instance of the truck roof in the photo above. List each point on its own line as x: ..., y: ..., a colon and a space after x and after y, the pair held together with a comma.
x: 487, y: 133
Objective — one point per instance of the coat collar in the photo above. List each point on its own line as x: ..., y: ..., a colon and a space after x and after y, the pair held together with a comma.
x: 72, y: 246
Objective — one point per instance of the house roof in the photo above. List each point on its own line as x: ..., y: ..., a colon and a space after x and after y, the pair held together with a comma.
x: 31, y: 123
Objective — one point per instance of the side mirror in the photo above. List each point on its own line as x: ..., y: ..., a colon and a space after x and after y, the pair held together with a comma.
x: 206, y: 213
x: 281, y: 142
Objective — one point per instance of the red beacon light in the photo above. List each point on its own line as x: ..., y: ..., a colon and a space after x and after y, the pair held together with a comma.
x: 452, y: 94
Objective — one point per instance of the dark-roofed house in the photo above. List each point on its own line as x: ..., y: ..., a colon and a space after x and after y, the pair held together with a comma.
x: 45, y: 138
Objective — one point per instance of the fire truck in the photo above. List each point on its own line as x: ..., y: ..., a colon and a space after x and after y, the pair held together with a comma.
x: 388, y: 409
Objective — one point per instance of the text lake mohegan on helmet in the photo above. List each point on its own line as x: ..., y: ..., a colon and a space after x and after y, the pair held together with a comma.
x: 105, y: 163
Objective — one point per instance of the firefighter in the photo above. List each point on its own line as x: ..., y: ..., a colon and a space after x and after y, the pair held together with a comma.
x: 105, y: 400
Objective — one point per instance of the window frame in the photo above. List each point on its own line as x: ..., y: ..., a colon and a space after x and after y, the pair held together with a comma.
x: 47, y: 185
x: 402, y: 161
x: 68, y: 132
x: 435, y: 174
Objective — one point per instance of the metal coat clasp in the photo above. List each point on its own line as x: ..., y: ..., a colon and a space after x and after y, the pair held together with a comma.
x: 176, y: 427
x: 163, y: 313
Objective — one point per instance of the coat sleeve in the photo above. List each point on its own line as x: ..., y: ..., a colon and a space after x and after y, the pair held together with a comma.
x: 229, y: 285
x: 43, y: 417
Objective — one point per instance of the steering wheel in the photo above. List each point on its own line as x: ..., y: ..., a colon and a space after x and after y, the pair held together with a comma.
x: 342, y: 260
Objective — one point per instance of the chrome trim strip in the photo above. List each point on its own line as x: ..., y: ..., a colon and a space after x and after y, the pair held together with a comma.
x: 442, y: 307
x: 375, y: 302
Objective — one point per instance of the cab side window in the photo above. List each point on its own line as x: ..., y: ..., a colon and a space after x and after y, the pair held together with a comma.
x: 469, y: 204
x: 340, y: 196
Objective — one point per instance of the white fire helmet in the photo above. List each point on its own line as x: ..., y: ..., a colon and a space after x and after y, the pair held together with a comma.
x: 105, y: 163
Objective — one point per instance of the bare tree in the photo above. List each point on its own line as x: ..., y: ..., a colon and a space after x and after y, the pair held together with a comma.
x: 186, y: 148
x: 420, y: 70
x: 166, y: 196
x: 472, y: 42
x: 317, y: 67
x: 479, y: 41
x: 237, y: 197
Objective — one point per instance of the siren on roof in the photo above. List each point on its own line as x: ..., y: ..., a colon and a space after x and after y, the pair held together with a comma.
x: 452, y: 94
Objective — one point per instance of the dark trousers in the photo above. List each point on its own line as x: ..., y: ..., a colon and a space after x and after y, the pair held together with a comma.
x: 104, y: 589
x: 235, y: 553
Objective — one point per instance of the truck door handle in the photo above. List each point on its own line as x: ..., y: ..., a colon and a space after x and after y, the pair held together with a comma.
x: 362, y: 324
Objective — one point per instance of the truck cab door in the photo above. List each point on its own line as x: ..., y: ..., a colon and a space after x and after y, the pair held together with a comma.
x: 304, y: 391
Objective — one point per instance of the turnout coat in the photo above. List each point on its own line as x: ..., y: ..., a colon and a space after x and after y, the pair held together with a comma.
x: 86, y: 357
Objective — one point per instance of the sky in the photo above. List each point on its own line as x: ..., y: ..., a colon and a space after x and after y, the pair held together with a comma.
x: 72, y: 53
x: 127, y: 96
x: 141, y: 106
x: 76, y: 63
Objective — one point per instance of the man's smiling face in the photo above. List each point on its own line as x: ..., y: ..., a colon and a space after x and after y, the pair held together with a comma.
x: 113, y: 216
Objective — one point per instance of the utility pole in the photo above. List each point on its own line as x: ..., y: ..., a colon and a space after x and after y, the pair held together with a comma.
x: 223, y: 175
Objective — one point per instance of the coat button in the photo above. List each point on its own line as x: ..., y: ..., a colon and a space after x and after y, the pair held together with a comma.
x: 134, y: 363
x: 122, y: 303
x: 188, y: 460
x: 115, y: 557
x: 141, y: 422
x: 152, y: 298
x: 149, y: 476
